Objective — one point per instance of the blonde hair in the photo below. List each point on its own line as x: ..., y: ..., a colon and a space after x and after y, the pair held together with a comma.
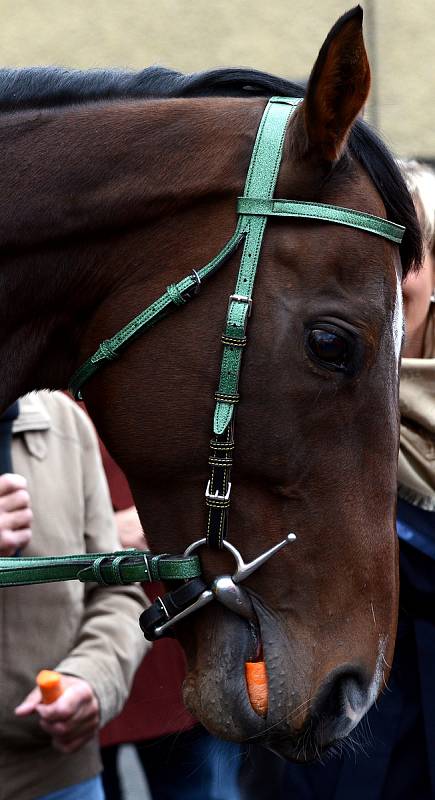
x: 420, y: 180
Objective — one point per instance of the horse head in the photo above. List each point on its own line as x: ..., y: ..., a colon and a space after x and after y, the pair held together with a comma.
x: 134, y: 196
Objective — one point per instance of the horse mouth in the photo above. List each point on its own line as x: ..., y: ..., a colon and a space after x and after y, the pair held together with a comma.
x: 217, y: 688
x: 217, y: 691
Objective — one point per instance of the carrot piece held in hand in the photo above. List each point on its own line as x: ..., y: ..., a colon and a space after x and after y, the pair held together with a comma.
x: 256, y: 681
x: 50, y: 684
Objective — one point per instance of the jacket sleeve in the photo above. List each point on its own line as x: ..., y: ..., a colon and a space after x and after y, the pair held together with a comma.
x: 110, y: 645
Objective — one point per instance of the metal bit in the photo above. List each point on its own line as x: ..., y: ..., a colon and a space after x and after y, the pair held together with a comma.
x: 233, y: 597
x: 224, y: 587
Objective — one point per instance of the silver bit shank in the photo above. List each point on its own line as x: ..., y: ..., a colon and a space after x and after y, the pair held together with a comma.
x: 233, y: 596
x: 224, y: 588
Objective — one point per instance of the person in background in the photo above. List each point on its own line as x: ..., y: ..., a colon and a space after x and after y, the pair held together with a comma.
x: 56, y: 502
x: 181, y: 760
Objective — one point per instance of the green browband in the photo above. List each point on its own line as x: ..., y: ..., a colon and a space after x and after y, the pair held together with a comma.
x: 107, y: 569
x: 258, y: 206
x: 256, y: 203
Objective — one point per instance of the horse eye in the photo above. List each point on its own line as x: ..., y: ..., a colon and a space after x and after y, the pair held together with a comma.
x: 329, y: 348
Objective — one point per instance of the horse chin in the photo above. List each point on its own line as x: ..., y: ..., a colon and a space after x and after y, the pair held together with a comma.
x: 297, y: 726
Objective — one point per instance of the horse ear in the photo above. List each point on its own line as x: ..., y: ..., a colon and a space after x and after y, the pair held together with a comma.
x: 338, y: 87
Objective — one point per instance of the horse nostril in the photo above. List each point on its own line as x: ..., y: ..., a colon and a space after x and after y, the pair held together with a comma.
x: 342, y: 701
x: 355, y: 698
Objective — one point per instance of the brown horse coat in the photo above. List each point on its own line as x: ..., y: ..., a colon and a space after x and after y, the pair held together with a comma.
x: 103, y: 205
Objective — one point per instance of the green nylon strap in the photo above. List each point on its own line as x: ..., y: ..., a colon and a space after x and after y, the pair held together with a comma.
x: 322, y: 211
x: 260, y: 182
x: 108, y: 569
x: 176, y: 295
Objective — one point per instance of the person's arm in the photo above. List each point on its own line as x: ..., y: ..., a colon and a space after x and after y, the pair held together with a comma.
x: 110, y: 645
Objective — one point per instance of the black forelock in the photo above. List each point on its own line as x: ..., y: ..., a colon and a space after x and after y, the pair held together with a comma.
x: 44, y: 87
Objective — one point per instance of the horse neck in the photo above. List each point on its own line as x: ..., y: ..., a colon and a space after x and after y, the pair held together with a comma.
x: 77, y: 181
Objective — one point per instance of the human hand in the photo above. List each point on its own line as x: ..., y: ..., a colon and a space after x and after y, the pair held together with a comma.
x: 15, y: 514
x: 72, y: 720
x: 130, y: 530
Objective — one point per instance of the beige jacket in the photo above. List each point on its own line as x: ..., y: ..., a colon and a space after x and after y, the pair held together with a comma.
x: 88, y: 631
x: 416, y: 474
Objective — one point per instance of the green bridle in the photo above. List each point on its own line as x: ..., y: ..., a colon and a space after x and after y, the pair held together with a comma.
x: 256, y: 205
x: 254, y: 209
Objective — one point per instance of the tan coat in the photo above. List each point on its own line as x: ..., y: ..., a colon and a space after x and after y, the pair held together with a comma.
x: 416, y: 476
x: 88, y: 631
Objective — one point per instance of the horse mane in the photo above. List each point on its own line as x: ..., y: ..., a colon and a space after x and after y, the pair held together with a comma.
x: 48, y: 87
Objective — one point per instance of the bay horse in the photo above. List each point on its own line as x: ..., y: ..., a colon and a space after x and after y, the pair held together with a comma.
x: 115, y: 185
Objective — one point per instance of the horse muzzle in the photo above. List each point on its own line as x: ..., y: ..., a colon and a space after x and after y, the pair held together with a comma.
x: 298, y: 724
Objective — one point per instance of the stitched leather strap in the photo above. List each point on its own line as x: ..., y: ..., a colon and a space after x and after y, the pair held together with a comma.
x: 108, y: 569
x: 177, y: 294
x: 258, y: 206
x: 260, y: 181
x: 166, y: 607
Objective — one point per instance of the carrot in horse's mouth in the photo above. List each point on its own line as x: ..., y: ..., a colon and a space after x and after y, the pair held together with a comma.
x: 256, y: 682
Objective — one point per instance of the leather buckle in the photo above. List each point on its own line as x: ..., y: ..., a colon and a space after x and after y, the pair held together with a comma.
x: 240, y: 298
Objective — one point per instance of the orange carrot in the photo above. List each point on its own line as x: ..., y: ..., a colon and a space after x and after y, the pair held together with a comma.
x: 256, y: 681
x: 50, y: 684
